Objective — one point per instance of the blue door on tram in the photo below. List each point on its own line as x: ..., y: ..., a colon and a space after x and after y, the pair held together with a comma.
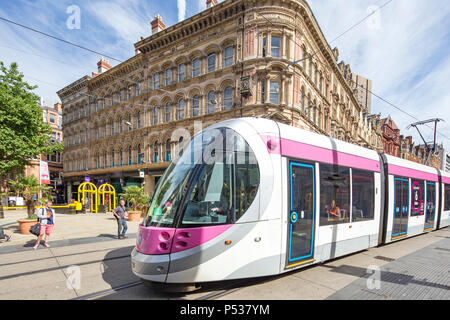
x: 430, y: 211
x: 302, y: 202
x: 401, y: 208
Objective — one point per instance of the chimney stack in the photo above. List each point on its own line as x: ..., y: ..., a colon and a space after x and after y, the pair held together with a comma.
x: 211, y: 3
x: 157, y: 24
x: 103, y: 65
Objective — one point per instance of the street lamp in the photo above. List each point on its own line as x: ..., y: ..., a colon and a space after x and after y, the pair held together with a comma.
x: 295, y: 62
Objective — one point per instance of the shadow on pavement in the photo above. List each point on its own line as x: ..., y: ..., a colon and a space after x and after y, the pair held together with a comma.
x: 104, y: 235
x: 387, y: 276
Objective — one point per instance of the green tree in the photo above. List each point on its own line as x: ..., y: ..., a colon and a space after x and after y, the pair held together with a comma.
x: 135, y: 196
x: 23, y: 133
x: 28, y: 187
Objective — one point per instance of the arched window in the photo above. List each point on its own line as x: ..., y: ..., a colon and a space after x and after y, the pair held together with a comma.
x: 180, y: 113
x: 168, y: 79
x: 275, y: 46
x: 211, y: 101
x: 113, y: 158
x: 138, y: 88
x: 155, y: 152
x: 195, y: 67
x: 195, y: 105
x: 112, y: 127
x: 120, y: 125
x: 155, y: 81
x: 302, y: 100
x: 228, y: 98
x: 168, y: 155
x: 129, y: 122
x: 129, y: 156
x: 98, y: 161
x: 155, y: 115
x: 105, y: 160
x: 167, y: 112
x: 138, y: 120
x: 181, y: 72
x: 212, y: 62
x: 139, y: 155
x: 121, y: 157
x: 228, y: 56
x: 274, y: 92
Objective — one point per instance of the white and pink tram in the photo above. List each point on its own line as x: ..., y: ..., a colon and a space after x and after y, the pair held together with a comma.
x: 251, y: 197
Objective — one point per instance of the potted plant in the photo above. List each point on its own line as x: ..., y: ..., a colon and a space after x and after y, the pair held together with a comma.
x: 29, y: 188
x: 137, y: 198
x: 27, y: 223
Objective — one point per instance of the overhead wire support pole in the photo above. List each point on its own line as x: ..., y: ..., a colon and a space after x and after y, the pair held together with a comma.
x: 415, y: 125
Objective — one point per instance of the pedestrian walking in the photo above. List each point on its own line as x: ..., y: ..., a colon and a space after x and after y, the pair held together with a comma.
x: 4, y: 236
x: 119, y: 213
x: 46, y: 216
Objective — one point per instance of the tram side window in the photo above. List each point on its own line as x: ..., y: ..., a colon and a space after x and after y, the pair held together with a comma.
x: 447, y: 198
x: 363, y: 185
x: 334, y: 194
x: 247, y: 182
x: 417, y: 197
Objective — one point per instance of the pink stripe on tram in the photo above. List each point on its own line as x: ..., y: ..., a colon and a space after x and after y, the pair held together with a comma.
x: 305, y: 151
x: 411, y: 173
x: 446, y: 180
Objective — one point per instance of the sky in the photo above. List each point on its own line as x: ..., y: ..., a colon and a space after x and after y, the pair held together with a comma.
x: 403, y: 48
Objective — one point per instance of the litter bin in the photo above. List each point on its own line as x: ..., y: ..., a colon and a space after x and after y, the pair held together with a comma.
x: 102, y: 208
x: 72, y: 209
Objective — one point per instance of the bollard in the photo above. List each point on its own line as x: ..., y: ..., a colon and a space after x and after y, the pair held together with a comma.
x: 78, y: 207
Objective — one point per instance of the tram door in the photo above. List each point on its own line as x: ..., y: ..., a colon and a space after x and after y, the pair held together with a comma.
x: 301, y: 214
x: 401, y: 207
x: 431, y: 205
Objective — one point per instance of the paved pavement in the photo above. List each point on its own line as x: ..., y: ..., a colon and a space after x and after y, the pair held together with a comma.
x: 416, y: 268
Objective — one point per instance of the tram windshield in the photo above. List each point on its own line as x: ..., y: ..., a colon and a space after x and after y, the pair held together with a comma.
x: 213, y: 182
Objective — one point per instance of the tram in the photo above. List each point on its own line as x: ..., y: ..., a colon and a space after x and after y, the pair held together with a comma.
x: 252, y: 197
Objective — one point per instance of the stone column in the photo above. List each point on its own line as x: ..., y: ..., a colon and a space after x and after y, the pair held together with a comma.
x: 149, y: 186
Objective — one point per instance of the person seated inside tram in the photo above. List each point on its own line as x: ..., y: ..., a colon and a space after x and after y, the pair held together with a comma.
x: 333, y: 210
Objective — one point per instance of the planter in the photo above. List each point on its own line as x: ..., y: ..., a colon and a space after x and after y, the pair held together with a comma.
x: 25, y: 226
x: 134, y: 216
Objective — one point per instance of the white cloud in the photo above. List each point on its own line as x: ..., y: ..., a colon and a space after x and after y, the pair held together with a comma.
x: 181, y: 4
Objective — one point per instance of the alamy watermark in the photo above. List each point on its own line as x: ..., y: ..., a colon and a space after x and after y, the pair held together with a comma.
x: 74, y: 19
x: 74, y: 277
x: 374, y: 21
x: 374, y: 280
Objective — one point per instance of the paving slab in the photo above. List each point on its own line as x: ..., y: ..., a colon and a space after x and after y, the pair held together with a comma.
x: 421, y: 275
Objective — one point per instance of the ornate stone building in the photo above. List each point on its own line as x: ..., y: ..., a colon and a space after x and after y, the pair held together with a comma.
x: 120, y: 121
x: 391, y: 137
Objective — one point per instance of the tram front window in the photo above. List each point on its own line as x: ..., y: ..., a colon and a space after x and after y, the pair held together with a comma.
x: 214, y: 188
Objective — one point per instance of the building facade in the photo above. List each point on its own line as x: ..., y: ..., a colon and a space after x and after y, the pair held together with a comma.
x: 391, y: 137
x: 53, y: 117
x: 232, y: 60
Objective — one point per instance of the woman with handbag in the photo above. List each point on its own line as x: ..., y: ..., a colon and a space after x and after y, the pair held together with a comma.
x: 46, y: 216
